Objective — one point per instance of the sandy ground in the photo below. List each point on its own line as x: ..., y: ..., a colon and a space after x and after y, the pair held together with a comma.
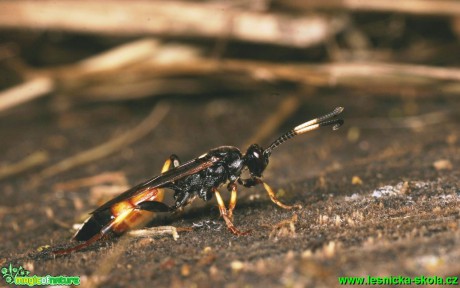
x: 379, y: 197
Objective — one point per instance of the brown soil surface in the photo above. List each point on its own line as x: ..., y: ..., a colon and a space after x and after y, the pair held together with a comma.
x: 373, y: 200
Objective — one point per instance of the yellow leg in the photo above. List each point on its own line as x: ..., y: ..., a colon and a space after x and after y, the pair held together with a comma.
x: 224, y: 214
x: 232, y: 203
x: 275, y: 200
x: 172, y: 162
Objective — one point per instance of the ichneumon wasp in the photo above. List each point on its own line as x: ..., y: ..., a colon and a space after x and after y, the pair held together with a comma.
x: 198, y: 178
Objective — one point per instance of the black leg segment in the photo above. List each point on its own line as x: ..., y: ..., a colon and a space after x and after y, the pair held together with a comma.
x: 154, y: 206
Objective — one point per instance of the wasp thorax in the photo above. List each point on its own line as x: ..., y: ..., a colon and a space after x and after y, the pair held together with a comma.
x: 256, y: 160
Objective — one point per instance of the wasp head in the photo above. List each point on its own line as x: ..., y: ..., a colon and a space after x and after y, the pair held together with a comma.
x: 256, y: 160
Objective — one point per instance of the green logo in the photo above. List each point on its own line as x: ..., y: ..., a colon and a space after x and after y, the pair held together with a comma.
x: 10, y: 272
x: 20, y: 276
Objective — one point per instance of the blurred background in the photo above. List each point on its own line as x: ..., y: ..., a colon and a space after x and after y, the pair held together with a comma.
x: 95, y: 95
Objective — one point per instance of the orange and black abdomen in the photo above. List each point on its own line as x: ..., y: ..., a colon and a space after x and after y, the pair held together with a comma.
x: 93, y: 225
x: 121, y: 216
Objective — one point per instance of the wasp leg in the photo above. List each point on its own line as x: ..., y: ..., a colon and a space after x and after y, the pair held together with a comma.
x: 154, y: 206
x: 172, y: 162
x: 224, y: 213
x: 253, y: 181
x: 275, y: 200
x: 231, y: 205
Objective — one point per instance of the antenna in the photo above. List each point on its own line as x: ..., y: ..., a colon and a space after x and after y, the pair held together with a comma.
x: 325, y: 120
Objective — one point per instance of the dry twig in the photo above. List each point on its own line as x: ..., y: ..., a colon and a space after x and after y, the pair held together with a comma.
x: 153, y: 77
x: 167, y: 68
x: 44, y: 82
x: 169, y: 18
x: 111, y: 146
x: 118, y: 178
x: 33, y: 160
x: 423, y: 7
x: 25, y: 92
x: 357, y: 74
x: 287, y: 107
